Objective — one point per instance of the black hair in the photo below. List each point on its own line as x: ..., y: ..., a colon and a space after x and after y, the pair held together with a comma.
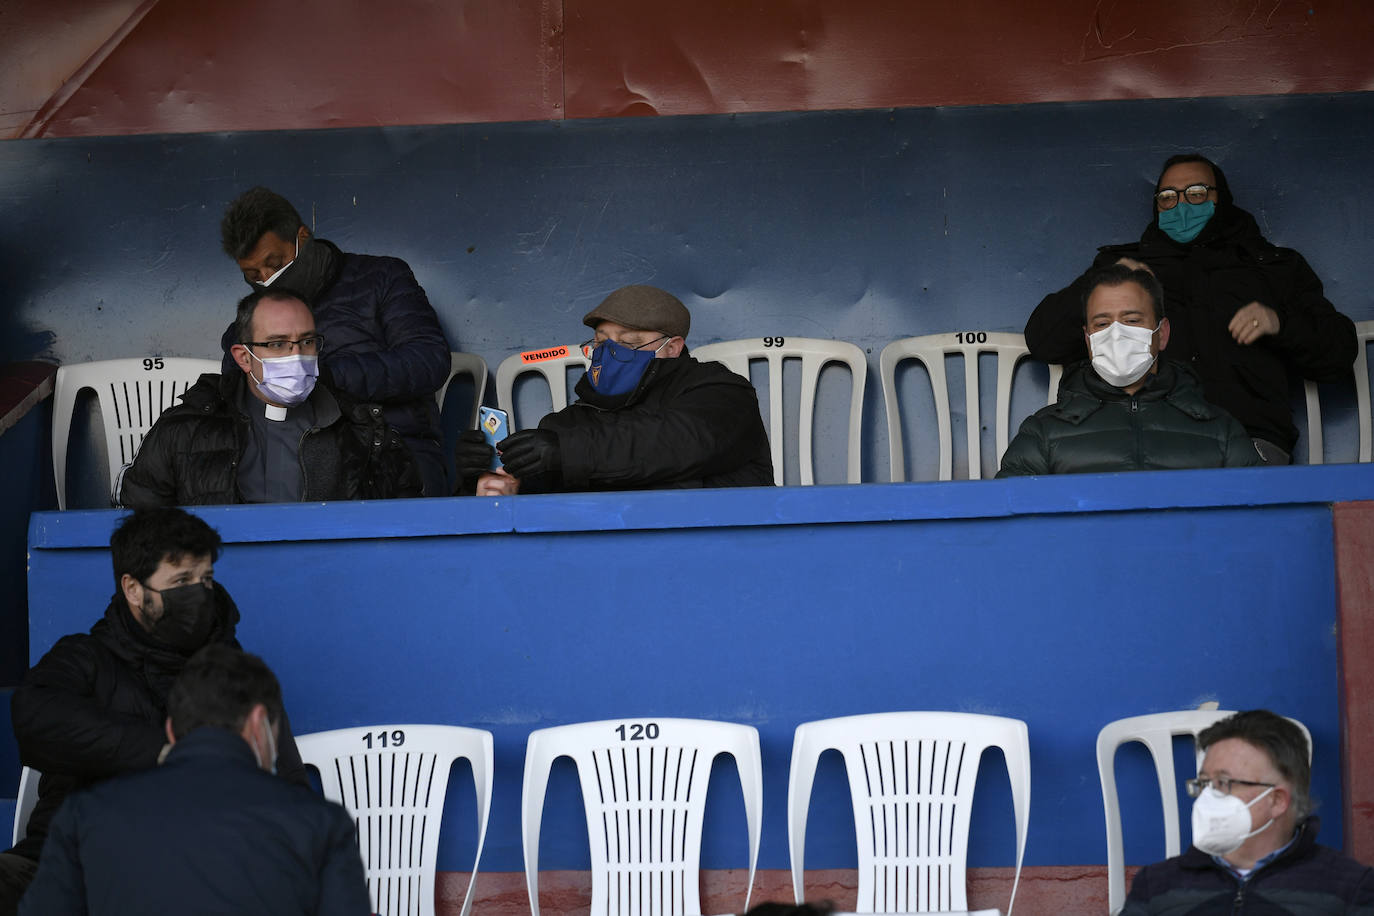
x: 774, y: 908
x: 1223, y: 188
x: 219, y: 686
x: 1282, y: 742
x: 1117, y: 274
x: 253, y: 214
x: 146, y: 537
x: 248, y: 305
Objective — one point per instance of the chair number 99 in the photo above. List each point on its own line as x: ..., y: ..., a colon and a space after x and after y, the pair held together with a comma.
x: 773, y: 341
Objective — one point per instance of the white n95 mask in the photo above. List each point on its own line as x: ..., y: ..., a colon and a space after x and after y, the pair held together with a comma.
x: 1222, y: 822
x: 1121, y: 353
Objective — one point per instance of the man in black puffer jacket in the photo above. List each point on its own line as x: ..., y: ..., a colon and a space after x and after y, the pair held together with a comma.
x: 95, y: 705
x: 648, y: 415
x: 385, y: 345
x: 267, y: 432
x: 1245, y: 313
x: 1126, y: 410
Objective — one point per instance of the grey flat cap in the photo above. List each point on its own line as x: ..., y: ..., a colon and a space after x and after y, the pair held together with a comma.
x: 642, y: 308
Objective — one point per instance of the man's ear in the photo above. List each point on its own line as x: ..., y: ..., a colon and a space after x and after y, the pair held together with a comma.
x: 132, y: 589
x: 302, y: 234
x: 1163, y: 333
x: 242, y: 358
x: 674, y: 347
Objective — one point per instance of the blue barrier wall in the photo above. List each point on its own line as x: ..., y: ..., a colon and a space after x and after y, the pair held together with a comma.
x: 1067, y: 602
x: 863, y: 225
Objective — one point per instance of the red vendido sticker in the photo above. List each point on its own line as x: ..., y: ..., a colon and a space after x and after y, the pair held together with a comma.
x: 538, y: 356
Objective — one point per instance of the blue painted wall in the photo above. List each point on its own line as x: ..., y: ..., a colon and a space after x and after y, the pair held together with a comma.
x: 864, y: 226
x: 1067, y: 602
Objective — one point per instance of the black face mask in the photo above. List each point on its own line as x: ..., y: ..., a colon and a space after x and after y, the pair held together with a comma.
x: 188, y: 616
x: 307, y: 275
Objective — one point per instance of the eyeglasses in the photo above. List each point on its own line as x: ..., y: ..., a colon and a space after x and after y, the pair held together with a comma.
x: 306, y: 345
x: 1167, y: 198
x: 589, y: 345
x: 1222, y: 784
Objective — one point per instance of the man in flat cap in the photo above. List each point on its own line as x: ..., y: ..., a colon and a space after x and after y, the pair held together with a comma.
x: 648, y: 415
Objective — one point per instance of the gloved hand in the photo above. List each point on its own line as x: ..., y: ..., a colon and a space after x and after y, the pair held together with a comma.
x: 531, y: 453
x: 473, y: 455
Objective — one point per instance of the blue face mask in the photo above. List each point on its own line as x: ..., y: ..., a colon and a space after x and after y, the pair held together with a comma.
x: 1185, y: 221
x: 616, y: 369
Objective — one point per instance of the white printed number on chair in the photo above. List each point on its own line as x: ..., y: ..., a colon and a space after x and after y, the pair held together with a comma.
x: 392, y: 779
x: 1156, y: 732
x: 644, y: 787
x: 911, y: 780
x: 132, y: 394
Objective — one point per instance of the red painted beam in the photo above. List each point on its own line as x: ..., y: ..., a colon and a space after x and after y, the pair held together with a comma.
x: 1063, y: 890
x: 1353, y: 526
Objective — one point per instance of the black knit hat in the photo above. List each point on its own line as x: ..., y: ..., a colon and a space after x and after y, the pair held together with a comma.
x: 642, y: 308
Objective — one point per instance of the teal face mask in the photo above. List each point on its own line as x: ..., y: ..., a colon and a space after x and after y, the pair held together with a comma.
x: 1185, y: 221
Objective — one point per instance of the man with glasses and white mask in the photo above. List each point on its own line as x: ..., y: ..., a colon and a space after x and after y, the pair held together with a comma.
x: 269, y: 432
x: 1246, y: 314
x: 1126, y: 409
x: 1255, y: 844
x: 648, y: 415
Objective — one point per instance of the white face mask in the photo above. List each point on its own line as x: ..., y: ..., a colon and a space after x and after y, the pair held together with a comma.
x: 1121, y: 353
x: 287, y: 380
x: 1221, y: 823
x: 281, y: 270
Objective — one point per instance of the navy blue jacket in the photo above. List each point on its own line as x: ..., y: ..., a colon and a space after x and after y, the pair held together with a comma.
x: 206, y: 832
x: 1307, y: 879
x: 383, y: 344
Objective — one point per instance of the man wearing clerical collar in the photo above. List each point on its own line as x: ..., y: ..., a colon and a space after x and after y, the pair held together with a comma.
x: 273, y: 433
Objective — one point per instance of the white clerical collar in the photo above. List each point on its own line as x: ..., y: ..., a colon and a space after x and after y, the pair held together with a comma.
x: 274, y: 412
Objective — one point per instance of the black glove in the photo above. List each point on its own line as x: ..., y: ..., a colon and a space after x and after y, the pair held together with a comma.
x: 474, y: 456
x: 531, y: 453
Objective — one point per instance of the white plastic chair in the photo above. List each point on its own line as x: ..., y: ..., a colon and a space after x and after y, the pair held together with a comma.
x: 132, y: 394
x: 931, y: 350
x: 475, y: 367
x: 28, y: 797
x: 392, y: 779
x: 1364, y: 333
x: 1156, y: 732
x: 644, y: 788
x: 911, y: 781
x: 814, y: 354
x: 555, y: 372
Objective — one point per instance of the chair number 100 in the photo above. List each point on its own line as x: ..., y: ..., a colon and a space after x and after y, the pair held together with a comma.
x: 397, y: 738
x: 637, y: 732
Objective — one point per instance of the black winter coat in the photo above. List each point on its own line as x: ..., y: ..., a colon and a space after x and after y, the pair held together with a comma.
x: 687, y: 424
x: 1096, y: 427
x: 1228, y: 266
x: 1306, y: 879
x: 191, y: 455
x: 206, y: 832
x: 95, y: 706
x: 382, y: 344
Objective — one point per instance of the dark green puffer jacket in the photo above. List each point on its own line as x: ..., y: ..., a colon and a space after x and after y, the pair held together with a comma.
x: 1306, y: 879
x: 1095, y: 427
